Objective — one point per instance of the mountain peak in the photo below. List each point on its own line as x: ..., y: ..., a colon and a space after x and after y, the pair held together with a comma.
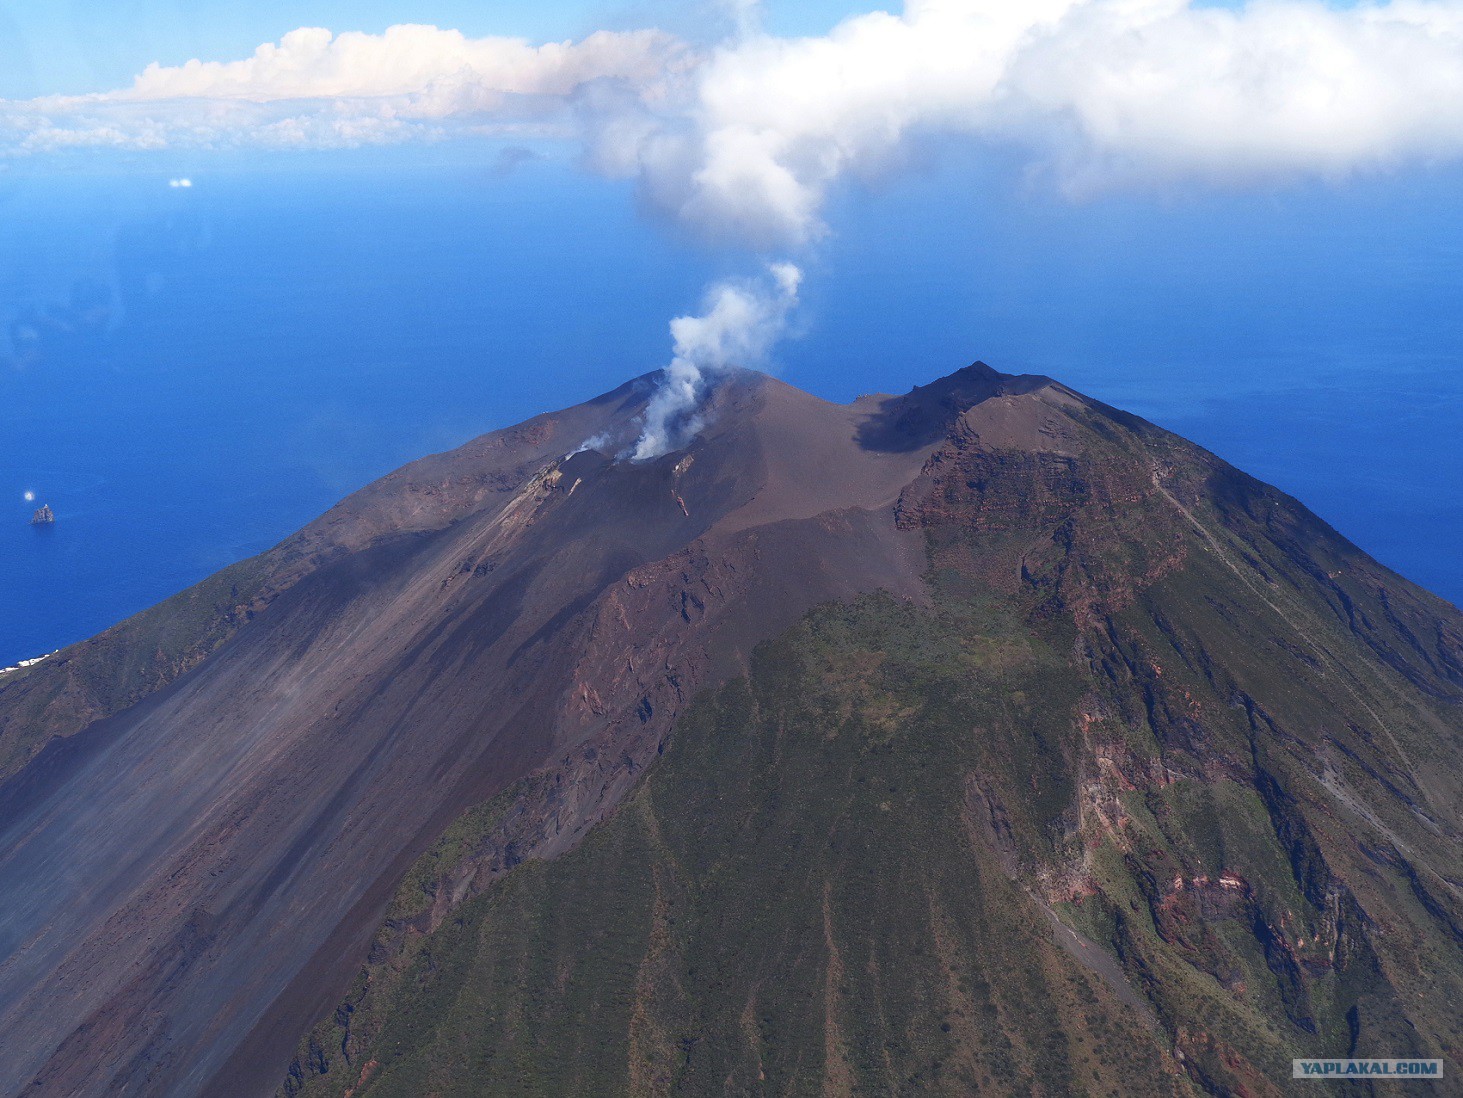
x: 1069, y: 665
x: 927, y: 413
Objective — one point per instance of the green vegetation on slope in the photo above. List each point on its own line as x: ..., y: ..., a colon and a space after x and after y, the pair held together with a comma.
x: 797, y: 897
x: 1163, y: 795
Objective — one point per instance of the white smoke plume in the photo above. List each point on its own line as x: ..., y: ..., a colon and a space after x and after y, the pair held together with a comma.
x: 739, y: 323
x: 593, y: 442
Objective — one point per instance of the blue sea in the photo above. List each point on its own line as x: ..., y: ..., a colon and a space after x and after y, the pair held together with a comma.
x: 189, y: 374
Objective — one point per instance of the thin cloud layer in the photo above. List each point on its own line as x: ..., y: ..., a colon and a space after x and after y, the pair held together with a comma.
x: 434, y: 73
x: 318, y: 89
x: 746, y: 139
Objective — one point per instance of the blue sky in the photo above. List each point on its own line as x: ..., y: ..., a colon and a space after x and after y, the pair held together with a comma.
x: 77, y: 46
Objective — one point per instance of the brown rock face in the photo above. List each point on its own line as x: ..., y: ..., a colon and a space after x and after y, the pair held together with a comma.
x: 209, y: 806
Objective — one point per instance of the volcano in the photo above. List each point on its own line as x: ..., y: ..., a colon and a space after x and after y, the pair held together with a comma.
x: 980, y: 738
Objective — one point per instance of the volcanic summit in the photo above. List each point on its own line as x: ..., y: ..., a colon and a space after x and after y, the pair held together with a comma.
x: 984, y: 737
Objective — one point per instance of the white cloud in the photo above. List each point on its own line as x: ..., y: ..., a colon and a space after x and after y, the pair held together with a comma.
x: 776, y: 122
x: 318, y: 89
x: 746, y: 139
x: 432, y: 73
x: 1100, y: 89
x: 737, y: 327
x: 1279, y: 86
